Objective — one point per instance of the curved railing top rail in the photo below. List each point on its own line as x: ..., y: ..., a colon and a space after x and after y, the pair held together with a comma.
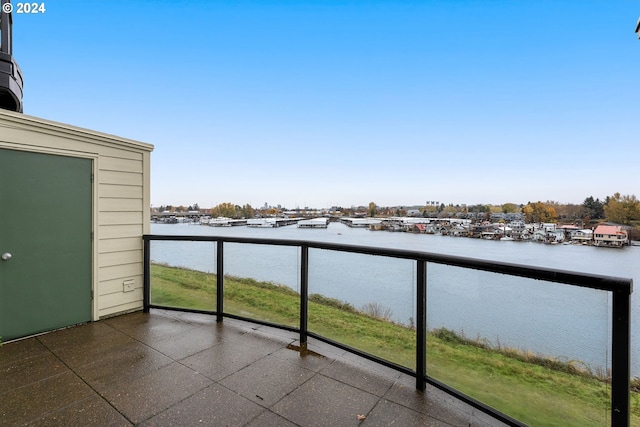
x: 585, y: 280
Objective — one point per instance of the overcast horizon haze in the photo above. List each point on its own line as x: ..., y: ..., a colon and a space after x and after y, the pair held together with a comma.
x: 342, y: 103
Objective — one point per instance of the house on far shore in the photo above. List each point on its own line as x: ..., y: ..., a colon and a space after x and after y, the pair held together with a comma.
x: 610, y: 235
x: 584, y: 236
x: 419, y: 228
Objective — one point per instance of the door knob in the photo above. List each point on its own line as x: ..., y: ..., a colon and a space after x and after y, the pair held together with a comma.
x: 6, y: 256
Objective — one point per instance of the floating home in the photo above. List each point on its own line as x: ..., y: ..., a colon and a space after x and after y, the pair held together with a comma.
x: 610, y: 235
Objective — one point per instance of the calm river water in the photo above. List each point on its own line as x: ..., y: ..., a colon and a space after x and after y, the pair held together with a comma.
x: 556, y: 320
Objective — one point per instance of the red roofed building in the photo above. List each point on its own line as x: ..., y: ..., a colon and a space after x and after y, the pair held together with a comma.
x: 419, y: 228
x: 610, y: 235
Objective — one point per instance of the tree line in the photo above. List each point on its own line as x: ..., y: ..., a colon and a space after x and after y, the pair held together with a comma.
x: 617, y: 208
x: 621, y: 209
x: 227, y: 210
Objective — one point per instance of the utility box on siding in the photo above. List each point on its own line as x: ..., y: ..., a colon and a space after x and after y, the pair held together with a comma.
x: 74, y: 204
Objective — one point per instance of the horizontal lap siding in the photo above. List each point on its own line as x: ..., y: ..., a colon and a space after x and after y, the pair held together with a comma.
x: 120, y: 231
x: 114, y: 259
x: 121, y: 169
x: 120, y: 192
x: 121, y: 244
x: 120, y: 218
x: 120, y: 204
x: 119, y: 303
x: 121, y: 164
x: 118, y: 272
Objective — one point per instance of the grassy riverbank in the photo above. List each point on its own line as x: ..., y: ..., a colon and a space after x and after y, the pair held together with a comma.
x: 538, y: 391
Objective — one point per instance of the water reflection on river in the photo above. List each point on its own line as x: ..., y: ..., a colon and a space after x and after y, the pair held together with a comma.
x: 561, y: 321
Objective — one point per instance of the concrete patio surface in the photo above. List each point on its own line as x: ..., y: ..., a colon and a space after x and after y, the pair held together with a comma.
x: 170, y: 368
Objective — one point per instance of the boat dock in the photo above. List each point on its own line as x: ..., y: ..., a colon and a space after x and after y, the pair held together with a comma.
x: 226, y: 222
x: 314, y: 223
x: 372, y: 223
x: 271, y: 222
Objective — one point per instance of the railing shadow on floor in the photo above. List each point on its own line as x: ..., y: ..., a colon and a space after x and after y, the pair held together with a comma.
x: 620, y: 290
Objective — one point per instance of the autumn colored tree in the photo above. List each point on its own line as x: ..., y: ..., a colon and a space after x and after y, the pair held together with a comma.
x: 247, y: 211
x: 451, y: 210
x: 226, y: 209
x: 372, y: 209
x: 429, y: 210
x: 509, y: 208
x: 569, y: 211
x: 622, y: 209
x: 539, y: 212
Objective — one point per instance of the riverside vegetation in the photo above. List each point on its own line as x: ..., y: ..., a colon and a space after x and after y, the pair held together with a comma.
x: 537, y: 390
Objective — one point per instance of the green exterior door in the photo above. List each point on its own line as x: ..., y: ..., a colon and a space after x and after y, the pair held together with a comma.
x: 45, y: 226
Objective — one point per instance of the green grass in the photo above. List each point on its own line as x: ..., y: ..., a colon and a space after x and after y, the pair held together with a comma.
x: 536, y: 390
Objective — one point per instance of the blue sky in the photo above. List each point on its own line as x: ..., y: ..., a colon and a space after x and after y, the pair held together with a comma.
x: 321, y: 103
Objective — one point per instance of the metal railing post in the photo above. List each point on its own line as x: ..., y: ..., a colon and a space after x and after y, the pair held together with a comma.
x: 220, y: 281
x: 620, y: 288
x: 421, y: 324
x: 146, y: 276
x: 304, y: 295
x: 620, y: 359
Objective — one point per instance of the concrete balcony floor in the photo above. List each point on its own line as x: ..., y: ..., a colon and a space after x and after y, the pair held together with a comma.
x: 179, y: 369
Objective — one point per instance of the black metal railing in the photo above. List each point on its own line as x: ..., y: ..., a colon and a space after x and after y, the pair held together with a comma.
x: 620, y: 289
